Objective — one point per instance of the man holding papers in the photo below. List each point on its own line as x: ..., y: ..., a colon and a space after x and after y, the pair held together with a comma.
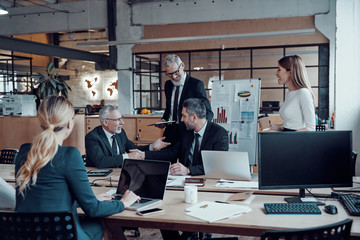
x: 200, y: 135
x: 178, y: 88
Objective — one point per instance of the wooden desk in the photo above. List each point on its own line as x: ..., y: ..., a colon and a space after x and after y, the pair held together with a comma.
x: 7, y: 172
x: 250, y: 224
x: 110, y: 180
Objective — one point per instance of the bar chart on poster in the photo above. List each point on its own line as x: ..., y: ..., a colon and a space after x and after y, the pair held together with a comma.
x: 235, y: 104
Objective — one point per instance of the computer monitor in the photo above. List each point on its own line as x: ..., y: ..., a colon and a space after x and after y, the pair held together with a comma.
x: 290, y: 160
x: 270, y: 106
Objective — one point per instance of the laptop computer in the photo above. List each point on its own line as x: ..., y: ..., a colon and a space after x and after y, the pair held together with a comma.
x: 146, y: 178
x: 226, y: 165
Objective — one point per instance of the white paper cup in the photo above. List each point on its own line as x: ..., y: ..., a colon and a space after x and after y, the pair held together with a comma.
x: 264, y: 123
x: 191, y: 194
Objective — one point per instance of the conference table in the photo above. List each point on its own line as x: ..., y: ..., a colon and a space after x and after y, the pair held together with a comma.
x: 7, y: 172
x: 248, y: 224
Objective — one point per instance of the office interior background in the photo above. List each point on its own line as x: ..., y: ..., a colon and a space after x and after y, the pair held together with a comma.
x: 113, y: 50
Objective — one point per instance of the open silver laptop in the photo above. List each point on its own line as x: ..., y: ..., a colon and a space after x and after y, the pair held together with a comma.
x: 226, y: 165
x: 146, y: 178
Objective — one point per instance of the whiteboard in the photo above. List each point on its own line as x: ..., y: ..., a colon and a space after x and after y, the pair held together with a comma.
x: 235, y: 104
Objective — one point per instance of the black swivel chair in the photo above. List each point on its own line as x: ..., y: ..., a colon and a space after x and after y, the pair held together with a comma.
x: 8, y: 155
x: 353, y: 163
x: 52, y: 225
x: 335, y: 231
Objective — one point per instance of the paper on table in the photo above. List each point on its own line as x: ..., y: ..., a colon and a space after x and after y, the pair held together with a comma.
x: 212, y: 211
x: 223, y: 183
x: 159, y: 123
x: 176, y: 181
x: 111, y: 192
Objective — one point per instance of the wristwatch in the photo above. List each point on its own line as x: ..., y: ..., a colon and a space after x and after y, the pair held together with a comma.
x: 188, y: 171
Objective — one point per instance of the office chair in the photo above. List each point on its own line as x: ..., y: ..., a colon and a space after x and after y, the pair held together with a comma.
x: 8, y: 155
x: 84, y: 158
x: 339, y: 230
x: 208, y: 236
x: 51, y: 225
x: 88, y: 110
x: 353, y: 163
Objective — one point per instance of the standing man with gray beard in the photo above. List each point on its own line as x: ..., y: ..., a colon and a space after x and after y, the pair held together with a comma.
x: 178, y: 88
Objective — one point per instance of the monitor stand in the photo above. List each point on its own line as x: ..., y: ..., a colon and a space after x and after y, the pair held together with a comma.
x: 302, y: 196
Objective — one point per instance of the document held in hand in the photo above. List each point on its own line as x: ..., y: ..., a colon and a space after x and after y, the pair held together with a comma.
x: 159, y: 123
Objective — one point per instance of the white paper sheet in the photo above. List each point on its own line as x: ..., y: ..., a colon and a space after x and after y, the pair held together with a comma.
x: 212, y: 211
x: 176, y: 181
x: 224, y: 183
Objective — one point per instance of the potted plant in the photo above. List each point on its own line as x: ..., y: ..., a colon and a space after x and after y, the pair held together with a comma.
x: 51, y: 83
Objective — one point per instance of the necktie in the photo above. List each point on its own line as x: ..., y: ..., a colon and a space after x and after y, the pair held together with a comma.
x: 176, y: 100
x: 114, y: 145
x: 195, y: 156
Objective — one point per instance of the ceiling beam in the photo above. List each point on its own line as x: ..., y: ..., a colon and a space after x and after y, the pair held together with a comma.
x: 200, y: 38
x: 20, y: 45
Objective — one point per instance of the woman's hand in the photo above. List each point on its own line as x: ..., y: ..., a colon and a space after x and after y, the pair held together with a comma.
x: 129, y: 198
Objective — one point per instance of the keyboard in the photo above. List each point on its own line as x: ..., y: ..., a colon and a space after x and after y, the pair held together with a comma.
x: 348, y: 201
x: 292, y: 208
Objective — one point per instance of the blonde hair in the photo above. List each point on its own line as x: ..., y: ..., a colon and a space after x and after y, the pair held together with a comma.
x: 298, y: 75
x: 54, y: 113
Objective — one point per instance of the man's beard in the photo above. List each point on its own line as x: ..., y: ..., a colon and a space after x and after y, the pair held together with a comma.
x: 181, y: 82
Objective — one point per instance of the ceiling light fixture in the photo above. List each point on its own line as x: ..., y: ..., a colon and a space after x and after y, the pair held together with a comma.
x: 3, y: 11
x: 200, y: 38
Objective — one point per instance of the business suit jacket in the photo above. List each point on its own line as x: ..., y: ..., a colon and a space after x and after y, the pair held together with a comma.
x: 193, y: 88
x: 59, y: 184
x: 98, y: 150
x: 215, y: 138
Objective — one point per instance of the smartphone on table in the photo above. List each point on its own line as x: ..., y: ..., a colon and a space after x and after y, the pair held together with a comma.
x: 150, y: 211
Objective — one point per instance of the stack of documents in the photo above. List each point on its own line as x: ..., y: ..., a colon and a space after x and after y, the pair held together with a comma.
x: 224, y: 183
x: 212, y: 211
x: 176, y: 181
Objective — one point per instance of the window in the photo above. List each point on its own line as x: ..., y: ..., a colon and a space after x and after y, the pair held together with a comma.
x: 233, y: 64
x: 15, y: 75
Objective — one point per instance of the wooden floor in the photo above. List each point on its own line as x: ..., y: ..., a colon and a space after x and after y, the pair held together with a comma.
x: 154, y: 234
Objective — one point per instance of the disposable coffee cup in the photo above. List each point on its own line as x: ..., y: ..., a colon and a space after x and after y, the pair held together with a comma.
x: 264, y: 123
x: 191, y: 194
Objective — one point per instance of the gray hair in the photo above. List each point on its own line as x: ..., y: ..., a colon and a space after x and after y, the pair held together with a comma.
x: 169, y: 59
x: 104, y: 112
x: 195, y: 105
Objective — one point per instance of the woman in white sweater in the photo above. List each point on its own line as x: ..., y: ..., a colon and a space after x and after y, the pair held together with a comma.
x: 298, y: 111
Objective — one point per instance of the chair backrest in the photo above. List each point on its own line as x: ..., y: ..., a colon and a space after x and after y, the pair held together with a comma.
x: 353, y: 163
x: 8, y: 155
x: 339, y: 230
x: 84, y: 158
x: 52, y: 225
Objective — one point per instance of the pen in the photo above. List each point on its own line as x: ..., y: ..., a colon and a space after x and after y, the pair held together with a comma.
x: 221, y: 202
x: 204, y: 206
x: 225, y: 182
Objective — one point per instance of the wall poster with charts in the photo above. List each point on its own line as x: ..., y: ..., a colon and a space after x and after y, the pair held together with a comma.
x: 235, y: 104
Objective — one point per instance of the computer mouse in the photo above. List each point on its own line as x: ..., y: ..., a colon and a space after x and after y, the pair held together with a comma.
x: 331, y: 209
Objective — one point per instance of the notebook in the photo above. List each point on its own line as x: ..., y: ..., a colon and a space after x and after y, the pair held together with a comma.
x: 226, y: 165
x: 146, y: 178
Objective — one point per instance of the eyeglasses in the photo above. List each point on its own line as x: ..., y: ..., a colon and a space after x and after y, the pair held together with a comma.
x: 176, y: 73
x: 116, y: 119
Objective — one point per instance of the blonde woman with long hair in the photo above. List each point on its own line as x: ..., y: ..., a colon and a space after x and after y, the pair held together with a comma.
x: 297, y: 111
x: 51, y: 177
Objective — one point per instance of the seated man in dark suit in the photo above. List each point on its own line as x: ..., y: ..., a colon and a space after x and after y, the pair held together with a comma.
x: 200, y: 135
x: 107, y: 145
